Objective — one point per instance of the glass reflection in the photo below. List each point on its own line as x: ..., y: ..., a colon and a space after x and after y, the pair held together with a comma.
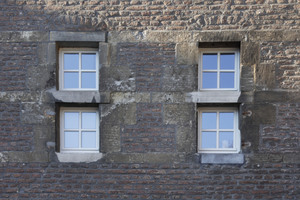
x: 209, y: 80
x: 227, y: 61
x: 88, y: 139
x: 71, y: 139
x: 210, y: 61
x: 88, y: 80
x: 71, y: 61
x: 71, y: 80
x: 227, y: 80
x: 208, y: 140
x: 88, y: 61
x: 226, y: 140
x: 209, y: 120
x: 226, y: 120
x: 88, y: 120
x: 71, y: 120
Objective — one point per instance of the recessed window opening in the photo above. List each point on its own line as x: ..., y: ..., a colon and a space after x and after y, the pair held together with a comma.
x: 218, y: 130
x: 219, y: 70
x: 79, y: 129
x: 79, y: 70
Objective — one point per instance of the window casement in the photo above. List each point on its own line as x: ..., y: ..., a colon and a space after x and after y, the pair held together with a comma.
x: 79, y: 129
x: 78, y: 69
x: 219, y: 69
x: 218, y: 130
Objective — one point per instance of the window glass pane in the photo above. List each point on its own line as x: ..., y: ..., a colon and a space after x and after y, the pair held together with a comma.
x: 88, y: 139
x: 209, y: 140
x: 88, y: 120
x: 227, y: 60
x: 88, y: 61
x: 226, y: 140
x: 88, y: 79
x: 209, y: 80
x: 71, y: 61
x: 209, y: 120
x: 226, y: 120
x: 71, y: 139
x: 71, y: 120
x: 210, y: 61
x: 227, y: 80
x: 71, y: 80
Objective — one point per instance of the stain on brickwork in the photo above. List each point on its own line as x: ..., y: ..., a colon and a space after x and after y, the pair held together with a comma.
x: 148, y: 129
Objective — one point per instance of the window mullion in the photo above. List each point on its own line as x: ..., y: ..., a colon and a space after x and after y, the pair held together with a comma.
x: 79, y: 135
x: 201, y: 73
x: 218, y: 130
x: 62, y: 78
x: 80, y: 68
x: 236, y: 70
x: 218, y: 70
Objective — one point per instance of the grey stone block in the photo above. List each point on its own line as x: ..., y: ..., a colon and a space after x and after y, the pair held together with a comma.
x: 222, y: 158
x: 77, y: 36
x: 80, y: 96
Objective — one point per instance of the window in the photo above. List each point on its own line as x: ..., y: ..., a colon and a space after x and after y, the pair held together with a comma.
x: 219, y: 69
x: 79, y: 129
x: 218, y: 130
x: 79, y: 70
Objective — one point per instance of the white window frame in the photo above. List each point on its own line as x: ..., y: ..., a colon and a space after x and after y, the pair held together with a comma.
x: 62, y: 139
x: 236, y: 131
x: 61, y: 68
x: 236, y: 70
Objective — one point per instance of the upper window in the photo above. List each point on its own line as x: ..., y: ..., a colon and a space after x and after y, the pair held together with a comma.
x: 219, y: 69
x: 218, y: 130
x: 79, y: 129
x: 79, y: 69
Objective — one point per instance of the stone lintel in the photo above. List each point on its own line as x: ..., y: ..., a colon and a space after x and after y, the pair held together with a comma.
x: 77, y: 36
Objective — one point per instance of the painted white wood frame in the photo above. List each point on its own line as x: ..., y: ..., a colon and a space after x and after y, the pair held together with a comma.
x: 80, y: 70
x: 217, y: 130
x: 80, y: 126
x: 218, y: 70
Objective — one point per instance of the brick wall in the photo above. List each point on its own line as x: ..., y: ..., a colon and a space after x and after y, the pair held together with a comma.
x: 151, y: 15
x: 148, y: 129
x: 149, y: 134
x: 284, y: 136
x: 14, y: 135
x: 285, y: 55
x: 147, y: 60
x: 146, y: 181
x: 15, y: 59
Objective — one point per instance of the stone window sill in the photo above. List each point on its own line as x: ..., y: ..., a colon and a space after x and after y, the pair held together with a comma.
x: 79, y: 157
x: 222, y: 158
x: 219, y: 96
x: 80, y: 96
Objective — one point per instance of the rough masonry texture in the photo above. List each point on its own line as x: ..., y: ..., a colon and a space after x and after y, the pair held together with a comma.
x: 148, y: 124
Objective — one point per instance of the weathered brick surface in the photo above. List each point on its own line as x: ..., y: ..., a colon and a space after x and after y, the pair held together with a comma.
x: 148, y: 181
x: 286, y: 57
x: 148, y: 61
x: 15, y: 58
x: 150, y: 15
x: 284, y: 135
x: 151, y: 65
x: 14, y: 135
x: 150, y: 134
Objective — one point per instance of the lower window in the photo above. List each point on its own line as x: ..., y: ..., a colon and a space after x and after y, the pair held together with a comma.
x: 79, y: 129
x: 218, y: 130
